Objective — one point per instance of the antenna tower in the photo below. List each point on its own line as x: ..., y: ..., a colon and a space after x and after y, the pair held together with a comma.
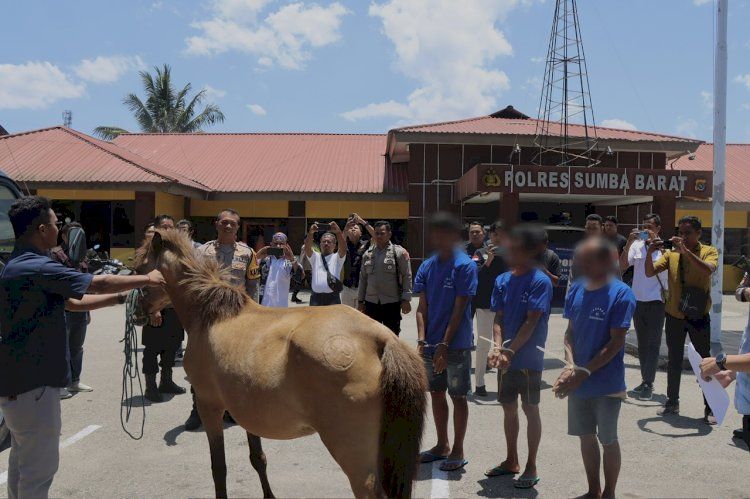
x: 67, y: 117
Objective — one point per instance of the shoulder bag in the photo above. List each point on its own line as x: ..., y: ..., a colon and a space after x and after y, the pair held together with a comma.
x: 333, y: 282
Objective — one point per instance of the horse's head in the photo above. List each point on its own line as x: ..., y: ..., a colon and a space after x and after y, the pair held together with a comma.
x: 161, y: 252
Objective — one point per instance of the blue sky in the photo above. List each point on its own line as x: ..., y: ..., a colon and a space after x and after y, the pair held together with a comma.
x: 360, y: 66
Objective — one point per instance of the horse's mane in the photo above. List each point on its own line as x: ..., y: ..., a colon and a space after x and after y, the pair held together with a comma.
x: 204, y: 280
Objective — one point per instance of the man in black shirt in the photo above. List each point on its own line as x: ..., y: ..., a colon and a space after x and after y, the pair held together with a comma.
x: 491, y: 263
x: 476, y: 238
x: 610, y: 232
x: 550, y: 262
x: 355, y: 248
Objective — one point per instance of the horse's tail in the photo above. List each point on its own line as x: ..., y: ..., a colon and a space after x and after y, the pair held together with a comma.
x: 404, y: 385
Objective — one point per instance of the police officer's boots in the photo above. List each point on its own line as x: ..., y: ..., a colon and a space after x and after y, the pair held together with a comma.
x: 166, y: 385
x: 152, y: 392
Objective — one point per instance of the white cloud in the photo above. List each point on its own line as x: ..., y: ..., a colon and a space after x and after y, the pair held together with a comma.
x: 257, y: 109
x: 707, y: 99
x: 449, y: 49
x: 618, y: 123
x: 214, y: 93
x: 284, y: 37
x: 35, y: 85
x: 107, y: 69
x: 687, y: 127
x: 744, y: 79
x: 702, y: 2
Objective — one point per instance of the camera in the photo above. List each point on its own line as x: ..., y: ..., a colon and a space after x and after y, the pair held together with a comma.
x: 742, y: 263
x: 277, y: 252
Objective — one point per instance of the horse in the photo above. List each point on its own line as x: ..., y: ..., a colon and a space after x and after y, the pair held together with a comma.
x: 289, y: 373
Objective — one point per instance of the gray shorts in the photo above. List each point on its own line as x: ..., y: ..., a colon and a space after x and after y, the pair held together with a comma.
x: 594, y: 416
x: 457, y: 375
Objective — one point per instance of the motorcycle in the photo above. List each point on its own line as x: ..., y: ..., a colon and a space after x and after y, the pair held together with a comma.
x: 101, y: 264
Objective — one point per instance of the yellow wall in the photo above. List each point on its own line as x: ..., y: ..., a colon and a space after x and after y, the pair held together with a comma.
x: 122, y: 254
x: 246, y: 208
x: 87, y: 194
x: 365, y: 209
x: 169, y: 204
x: 732, y: 219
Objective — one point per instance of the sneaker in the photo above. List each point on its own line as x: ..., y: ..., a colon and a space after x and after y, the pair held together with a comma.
x: 79, y: 387
x: 646, y: 392
x: 65, y: 394
x: 639, y: 388
x: 481, y: 391
x: 668, y: 408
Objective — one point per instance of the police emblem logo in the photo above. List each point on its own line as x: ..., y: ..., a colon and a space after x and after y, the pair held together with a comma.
x: 701, y: 184
x: 491, y: 178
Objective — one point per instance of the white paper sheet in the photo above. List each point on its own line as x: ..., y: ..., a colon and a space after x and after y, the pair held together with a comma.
x: 716, y: 396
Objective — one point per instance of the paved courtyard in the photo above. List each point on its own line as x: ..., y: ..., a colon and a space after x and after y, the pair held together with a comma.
x: 674, y: 457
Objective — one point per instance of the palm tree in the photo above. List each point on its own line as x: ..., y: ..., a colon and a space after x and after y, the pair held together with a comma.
x: 165, y: 110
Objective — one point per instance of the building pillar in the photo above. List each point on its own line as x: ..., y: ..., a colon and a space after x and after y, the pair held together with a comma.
x: 296, y: 225
x: 508, y: 213
x: 666, y: 208
x: 145, y: 204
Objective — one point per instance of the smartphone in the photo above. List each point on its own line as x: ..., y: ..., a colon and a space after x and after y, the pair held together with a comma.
x: 322, y: 227
x: 742, y: 264
x: 668, y: 245
x: 643, y: 235
x: 277, y: 252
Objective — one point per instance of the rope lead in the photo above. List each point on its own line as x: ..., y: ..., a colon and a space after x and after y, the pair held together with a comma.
x: 130, y: 371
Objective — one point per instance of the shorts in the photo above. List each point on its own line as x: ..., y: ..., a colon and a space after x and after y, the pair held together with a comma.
x: 456, y: 378
x: 594, y: 416
x: 515, y: 382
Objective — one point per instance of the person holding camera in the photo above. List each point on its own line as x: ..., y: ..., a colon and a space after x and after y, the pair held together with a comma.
x: 356, y: 246
x: 326, y: 265
x: 385, y: 280
x: 689, y: 265
x: 651, y: 295
x: 277, y: 263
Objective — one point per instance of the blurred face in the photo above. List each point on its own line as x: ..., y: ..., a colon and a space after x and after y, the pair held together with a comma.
x: 228, y: 224
x: 610, y: 228
x: 49, y: 231
x: 476, y: 234
x: 354, y: 233
x: 277, y: 243
x: 327, y: 244
x: 444, y: 241
x: 149, y: 232
x: 689, y: 235
x: 166, y: 224
x: 594, y: 267
x: 382, y: 236
x: 593, y: 228
x: 184, y: 228
x: 518, y: 256
x: 498, y: 238
x: 649, y: 224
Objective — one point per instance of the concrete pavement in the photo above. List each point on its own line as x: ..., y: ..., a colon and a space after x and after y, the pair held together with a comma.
x: 674, y: 457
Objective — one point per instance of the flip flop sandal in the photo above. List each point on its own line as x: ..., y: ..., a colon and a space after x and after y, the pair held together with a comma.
x: 453, y: 465
x: 429, y: 457
x: 499, y: 470
x: 526, y: 483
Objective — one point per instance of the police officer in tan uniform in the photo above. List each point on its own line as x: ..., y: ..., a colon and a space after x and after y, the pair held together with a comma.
x: 385, y: 280
x: 240, y: 259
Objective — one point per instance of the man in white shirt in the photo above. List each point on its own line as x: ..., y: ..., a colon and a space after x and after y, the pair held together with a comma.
x: 277, y: 263
x: 650, y: 294
x: 326, y: 264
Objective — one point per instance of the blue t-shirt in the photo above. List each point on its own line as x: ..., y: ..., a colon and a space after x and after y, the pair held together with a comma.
x: 33, y: 340
x: 442, y: 282
x: 593, y: 314
x: 516, y: 296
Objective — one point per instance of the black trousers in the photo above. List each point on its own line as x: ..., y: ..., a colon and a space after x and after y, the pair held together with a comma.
x: 161, y: 342
x: 676, y: 330
x: 388, y: 314
x: 322, y: 299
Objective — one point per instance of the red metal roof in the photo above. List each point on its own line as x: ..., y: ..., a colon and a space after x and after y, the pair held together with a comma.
x: 283, y: 162
x: 738, y: 169
x: 59, y: 154
x: 490, y: 125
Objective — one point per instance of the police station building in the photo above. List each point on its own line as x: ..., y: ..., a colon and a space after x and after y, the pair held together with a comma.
x: 484, y: 168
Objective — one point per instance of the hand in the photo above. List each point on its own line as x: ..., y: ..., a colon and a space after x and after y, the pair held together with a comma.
x: 490, y: 255
x: 503, y: 361
x: 633, y: 236
x: 155, y: 279
x: 653, y: 245
x: 349, y: 224
x: 155, y: 319
x: 420, y: 349
x: 679, y: 245
x: 709, y: 368
x: 405, y: 306
x: 313, y: 229
x: 288, y: 253
x: 493, y: 359
x: 569, y: 380
x: 440, y: 359
x: 359, y: 219
x: 335, y: 228
x: 262, y: 253
x: 724, y: 378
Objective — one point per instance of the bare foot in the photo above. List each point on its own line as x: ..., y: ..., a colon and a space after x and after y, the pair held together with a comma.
x: 590, y: 495
x: 440, y: 450
x: 511, y: 466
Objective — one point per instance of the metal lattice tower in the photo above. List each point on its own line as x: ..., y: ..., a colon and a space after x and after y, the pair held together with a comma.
x: 566, y: 98
x: 67, y: 117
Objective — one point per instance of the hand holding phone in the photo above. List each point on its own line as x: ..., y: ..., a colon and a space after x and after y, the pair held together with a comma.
x: 323, y: 227
x: 277, y: 252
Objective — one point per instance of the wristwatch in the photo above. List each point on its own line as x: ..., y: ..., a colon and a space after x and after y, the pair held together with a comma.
x: 721, y: 361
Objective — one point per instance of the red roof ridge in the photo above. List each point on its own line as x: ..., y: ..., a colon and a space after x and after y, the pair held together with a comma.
x: 29, y: 132
x: 451, y: 122
x: 728, y: 143
x: 150, y: 166
x: 332, y: 134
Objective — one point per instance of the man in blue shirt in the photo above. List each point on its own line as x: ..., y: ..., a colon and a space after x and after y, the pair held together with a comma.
x: 35, y: 291
x: 599, y: 309
x: 445, y: 283
x: 521, y: 300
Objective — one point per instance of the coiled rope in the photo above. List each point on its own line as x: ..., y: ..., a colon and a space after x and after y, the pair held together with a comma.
x: 130, y: 371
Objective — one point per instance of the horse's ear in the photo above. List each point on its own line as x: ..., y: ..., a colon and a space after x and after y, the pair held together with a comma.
x: 156, y: 243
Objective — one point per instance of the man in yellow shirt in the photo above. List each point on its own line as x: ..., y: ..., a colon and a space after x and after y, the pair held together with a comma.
x: 689, y: 265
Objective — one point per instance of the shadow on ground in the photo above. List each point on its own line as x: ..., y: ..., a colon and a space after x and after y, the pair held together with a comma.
x: 678, y: 423
x: 502, y: 486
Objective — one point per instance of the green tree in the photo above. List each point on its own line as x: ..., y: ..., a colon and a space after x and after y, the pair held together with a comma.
x: 165, y: 109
